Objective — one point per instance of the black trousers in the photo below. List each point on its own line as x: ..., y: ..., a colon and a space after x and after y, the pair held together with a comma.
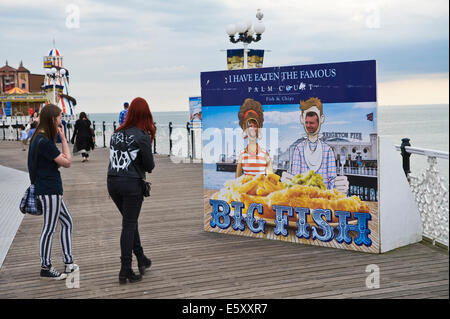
x: 127, y: 195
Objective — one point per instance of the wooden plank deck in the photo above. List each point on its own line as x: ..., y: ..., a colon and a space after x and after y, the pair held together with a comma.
x: 191, y: 263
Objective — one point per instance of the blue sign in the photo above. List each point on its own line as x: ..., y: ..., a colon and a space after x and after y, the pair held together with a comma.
x: 195, y: 111
x: 8, y: 109
x: 334, y: 82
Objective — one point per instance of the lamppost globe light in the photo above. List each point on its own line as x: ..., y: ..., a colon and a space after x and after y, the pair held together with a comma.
x: 259, y: 28
x: 248, y: 24
x: 246, y: 30
x: 259, y: 14
x: 63, y: 71
x: 241, y: 27
x: 231, y: 29
x: 54, y: 70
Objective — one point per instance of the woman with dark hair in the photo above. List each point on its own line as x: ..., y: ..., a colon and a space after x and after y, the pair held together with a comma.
x: 130, y: 157
x: 49, y: 190
x: 83, y: 137
x: 34, y: 117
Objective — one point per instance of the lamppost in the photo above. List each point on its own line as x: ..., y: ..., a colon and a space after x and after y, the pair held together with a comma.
x: 54, y: 73
x: 246, y: 33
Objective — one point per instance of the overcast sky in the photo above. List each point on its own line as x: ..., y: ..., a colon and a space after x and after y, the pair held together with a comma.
x: 156, y: 49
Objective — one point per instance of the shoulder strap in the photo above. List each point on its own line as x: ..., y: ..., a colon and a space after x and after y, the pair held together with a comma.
x: 35, y: 163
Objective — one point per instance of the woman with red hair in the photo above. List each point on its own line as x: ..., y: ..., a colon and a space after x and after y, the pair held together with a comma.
x: 130, y: 157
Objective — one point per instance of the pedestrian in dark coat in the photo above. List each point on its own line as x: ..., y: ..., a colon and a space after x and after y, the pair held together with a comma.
x: 83, y: 137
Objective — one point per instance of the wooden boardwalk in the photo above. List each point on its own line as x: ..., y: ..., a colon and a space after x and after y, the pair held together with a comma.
x: 191, y: 263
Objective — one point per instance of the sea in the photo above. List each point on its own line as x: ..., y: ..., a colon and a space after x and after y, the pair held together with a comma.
x: 427, y: 126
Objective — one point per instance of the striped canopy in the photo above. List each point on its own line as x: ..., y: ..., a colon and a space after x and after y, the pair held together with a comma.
x: 16, y: 90
x: 54, y: 52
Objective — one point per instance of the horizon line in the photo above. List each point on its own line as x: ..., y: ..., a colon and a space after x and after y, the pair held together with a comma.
x: 383, y: 105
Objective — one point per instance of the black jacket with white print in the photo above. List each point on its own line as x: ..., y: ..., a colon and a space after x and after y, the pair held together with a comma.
x: 132, y: 144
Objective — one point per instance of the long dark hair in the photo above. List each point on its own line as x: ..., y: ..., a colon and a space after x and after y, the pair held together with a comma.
x: 47, y: 124
x: 83, y: 116
x: 139, y: 115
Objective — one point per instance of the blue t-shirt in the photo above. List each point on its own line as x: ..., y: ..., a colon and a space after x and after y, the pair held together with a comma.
x: 48, y: 179
x: 30, y: 133
x: 123, y: 116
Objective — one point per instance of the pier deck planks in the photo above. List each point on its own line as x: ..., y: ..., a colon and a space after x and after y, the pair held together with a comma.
x: 191, y: 263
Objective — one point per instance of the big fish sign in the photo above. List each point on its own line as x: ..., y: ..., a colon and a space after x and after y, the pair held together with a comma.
x: 290, y: 153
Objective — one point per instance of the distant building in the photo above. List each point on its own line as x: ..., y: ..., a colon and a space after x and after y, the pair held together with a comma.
x: 354, y: 150
x: 20, y: 91
x: 20, y: 78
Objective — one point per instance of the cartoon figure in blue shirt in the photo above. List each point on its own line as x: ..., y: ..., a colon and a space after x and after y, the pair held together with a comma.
x: 312, y: 153
x: 123, y: 113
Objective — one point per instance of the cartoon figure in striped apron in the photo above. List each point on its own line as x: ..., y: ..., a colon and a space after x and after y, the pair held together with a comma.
x: 253, y: 160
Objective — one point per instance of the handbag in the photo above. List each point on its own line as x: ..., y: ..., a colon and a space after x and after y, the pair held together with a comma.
x: 29, y: 203
x: 146, y: 186
x: 92, y: 138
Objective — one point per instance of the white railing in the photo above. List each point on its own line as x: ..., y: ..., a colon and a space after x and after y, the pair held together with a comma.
x: 431, y: 194
x: 23, y: 120
x: 176, y: 140
x: 366, y: 171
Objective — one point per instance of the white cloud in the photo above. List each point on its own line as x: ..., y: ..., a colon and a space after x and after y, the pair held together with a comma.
x: 338, y: 123
x: 364, y: 105
x: 282, y: 118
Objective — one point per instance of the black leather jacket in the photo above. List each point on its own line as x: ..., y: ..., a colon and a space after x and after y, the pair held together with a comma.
x: 130, y: 154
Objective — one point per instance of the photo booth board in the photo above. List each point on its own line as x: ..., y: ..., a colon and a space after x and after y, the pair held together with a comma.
x: 195, y: 111
x: 307, y: 209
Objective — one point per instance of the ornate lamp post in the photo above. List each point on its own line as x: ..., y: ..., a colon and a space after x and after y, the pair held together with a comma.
x: 56, y: 73
x: 246, y: 33
x: 52, y: 73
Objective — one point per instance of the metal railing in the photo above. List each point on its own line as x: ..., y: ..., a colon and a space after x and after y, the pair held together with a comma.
x: 367, y: 171
x: 171, y: 139
x: 430, y: 191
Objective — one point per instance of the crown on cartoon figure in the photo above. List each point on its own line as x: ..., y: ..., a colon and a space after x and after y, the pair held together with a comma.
x: 309, y: 103
x: 251, y: 110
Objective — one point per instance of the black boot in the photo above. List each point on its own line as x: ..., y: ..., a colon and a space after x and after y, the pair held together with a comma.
x: 143, y: 263
x: 128, y: 274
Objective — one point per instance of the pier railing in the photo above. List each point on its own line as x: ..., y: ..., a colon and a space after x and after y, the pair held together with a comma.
x: 171, y: 139
x: 430, y: 191
x: 362, y: 171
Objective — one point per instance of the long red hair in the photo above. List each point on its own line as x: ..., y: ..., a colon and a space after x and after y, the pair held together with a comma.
x: 139, y: 115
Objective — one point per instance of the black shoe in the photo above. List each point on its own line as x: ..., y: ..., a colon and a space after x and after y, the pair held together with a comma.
x: 52, y: 273
x: 143, y: 264
x: 128, y: 274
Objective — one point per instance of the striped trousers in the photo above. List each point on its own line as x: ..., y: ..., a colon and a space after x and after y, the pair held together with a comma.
x: 54, y: 210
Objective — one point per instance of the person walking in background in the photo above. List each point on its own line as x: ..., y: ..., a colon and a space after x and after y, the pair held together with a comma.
x: 130, y: 157
x: 83, y: 138
x: 32, y: 130
x: 34, y: 118
x: 23, y: 137
x: 49, y: 189
x: 123, y: 113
